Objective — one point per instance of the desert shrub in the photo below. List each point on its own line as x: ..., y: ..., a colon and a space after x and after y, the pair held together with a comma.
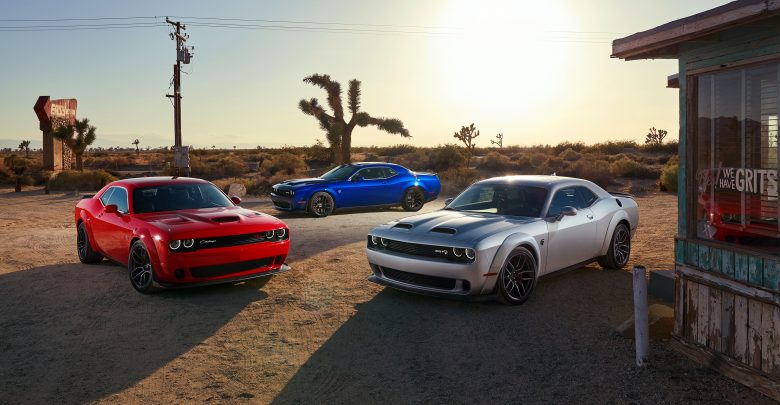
x: 522, y: 161
x: 555, y: 164
x: 230, y: 166
x: 596, y: 171
x: 613, y: 147
x: 285, y: 163
x: 453, y: 181
x: 497, y: 162
x: 669, y: 147
x: 417, y: 160
x: 318, y: 154
x: 538, y: 159
x: 253, y: 157
x: 446, y: 157
x: 626, y: 167
x: 75, y: 180
x: 570, y: 155
x: 395, y: 150
x: 668, y: 180
x: 41, y: 177
x: 564, y: 146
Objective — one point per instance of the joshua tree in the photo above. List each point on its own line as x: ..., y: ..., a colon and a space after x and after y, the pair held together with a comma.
x: 18, y: 166
x: 499, y: 142
x: 338, y: 130
x: 78, y: 136
x: 136, y: 142
x: 467, y: 136
x: 655, y: 137
x: 25, y: 146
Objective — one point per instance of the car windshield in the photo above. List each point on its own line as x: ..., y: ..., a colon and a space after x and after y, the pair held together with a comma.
x: 501, y: 199
x: 339, y: 173
x: 171, y: 197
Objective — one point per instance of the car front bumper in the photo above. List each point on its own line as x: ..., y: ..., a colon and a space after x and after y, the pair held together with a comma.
x: 288, y: 203
x: 431, y: 276
x: 225, y: 264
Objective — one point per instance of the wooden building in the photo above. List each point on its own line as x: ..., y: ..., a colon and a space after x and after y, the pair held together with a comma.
x: 727, y: 296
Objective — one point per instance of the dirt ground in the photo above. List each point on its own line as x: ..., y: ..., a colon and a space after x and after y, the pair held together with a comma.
x: 321, y: 333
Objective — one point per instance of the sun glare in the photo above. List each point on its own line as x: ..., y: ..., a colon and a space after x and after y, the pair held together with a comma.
x: 502, y: 56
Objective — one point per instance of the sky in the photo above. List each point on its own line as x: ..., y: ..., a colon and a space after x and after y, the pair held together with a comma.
x: 538, y: 72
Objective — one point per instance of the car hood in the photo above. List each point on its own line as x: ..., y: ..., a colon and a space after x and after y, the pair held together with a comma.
x: 218, y: 220
x: 464, y: 226
x: 302, y: 182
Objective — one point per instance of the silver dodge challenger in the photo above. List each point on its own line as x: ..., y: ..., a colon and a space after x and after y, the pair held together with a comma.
x: 497, y: 237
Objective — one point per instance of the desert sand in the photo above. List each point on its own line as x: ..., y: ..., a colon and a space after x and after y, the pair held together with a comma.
x: 321, y: 333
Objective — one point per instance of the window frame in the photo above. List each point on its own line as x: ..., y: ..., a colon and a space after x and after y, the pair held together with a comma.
x: 689, y: 230
x: 109, y: 194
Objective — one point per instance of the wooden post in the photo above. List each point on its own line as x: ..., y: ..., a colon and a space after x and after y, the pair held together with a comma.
x: 640, y: 315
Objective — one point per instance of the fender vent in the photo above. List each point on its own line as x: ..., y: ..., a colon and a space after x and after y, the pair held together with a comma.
x: 620, y: 204
x: 225, y: 219
x: 448, y: 231
x: 403, y: 226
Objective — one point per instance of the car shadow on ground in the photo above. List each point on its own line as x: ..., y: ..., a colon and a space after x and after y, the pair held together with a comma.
x: 66, y: 342
x: 557, y: 347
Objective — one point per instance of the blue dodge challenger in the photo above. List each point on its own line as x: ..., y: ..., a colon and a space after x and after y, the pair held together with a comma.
x: 357, y: 185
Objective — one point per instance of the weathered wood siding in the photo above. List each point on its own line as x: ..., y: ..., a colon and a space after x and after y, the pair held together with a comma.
x: 729, y: 326
x: 749, y: 269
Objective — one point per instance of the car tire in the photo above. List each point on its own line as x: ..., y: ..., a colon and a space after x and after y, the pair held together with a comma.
x: 414, y: 199
x: 619, y: 249
x: 140, y: 269
x: 321, y: 204
x: 84, y: 248
x: 259, y: 282
x: 517, y: 278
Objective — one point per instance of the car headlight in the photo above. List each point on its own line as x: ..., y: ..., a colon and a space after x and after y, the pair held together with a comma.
x: 458, y: 252
x: 269, y: 234
x: 174, y: 244
x: 188, y: 243
x: 280, y: 233
x: 470, y: 254
x: 383, y: 241
x: 374, y: 240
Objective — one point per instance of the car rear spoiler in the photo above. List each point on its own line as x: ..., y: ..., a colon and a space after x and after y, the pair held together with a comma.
x: 619, y: 194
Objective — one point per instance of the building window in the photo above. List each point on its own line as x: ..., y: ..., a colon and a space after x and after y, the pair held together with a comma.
x: 736, y: 157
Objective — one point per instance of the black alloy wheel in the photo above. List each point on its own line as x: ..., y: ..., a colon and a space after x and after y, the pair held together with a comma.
x: 139, y: 268
x: 414, y: 199
x: 517, y: 278
x: 321, y: 204
x: 83, y: 247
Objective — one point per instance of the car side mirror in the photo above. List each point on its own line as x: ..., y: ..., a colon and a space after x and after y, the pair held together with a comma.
x: 357, y: 179
x: 448, y: 201
x: 111, y: 209
x: 236, y: 199
x: 567, y: 211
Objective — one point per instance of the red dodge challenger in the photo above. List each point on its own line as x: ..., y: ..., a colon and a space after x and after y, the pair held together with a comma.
x: 175, y: 232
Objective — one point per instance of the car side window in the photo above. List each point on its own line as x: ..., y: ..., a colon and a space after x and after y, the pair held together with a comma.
x: 119, y: 198
x: 107, y: 196
x: 565, y: 197
x: 587, y: 196
x: 371, y: 173
x: 389, y: 172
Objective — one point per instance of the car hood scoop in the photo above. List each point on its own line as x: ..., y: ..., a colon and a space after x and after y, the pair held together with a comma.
x: 303, y: 182
x: 231, y: 218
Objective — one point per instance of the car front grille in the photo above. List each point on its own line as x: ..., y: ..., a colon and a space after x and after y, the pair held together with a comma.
x: 282, y: 192
x: 225, y: 269
x: 232, y: 240
x: 282, y: 204
x: 422, y: 280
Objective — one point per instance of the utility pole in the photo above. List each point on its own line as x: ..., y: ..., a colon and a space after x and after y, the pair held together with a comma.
x: 183, y: 55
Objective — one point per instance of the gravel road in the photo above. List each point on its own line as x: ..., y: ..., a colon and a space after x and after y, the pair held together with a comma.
x: 72, y: 333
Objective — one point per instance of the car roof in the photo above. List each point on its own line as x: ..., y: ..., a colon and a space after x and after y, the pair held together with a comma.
x: 539, y: 181
x: 139, y: 182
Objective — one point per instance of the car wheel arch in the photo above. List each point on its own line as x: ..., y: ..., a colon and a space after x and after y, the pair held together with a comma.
x: 332, y: 194
x: 509, y: 244
x: 619, y: 218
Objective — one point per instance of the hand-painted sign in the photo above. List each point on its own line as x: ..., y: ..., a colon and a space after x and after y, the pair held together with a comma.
x: 748, y: 180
